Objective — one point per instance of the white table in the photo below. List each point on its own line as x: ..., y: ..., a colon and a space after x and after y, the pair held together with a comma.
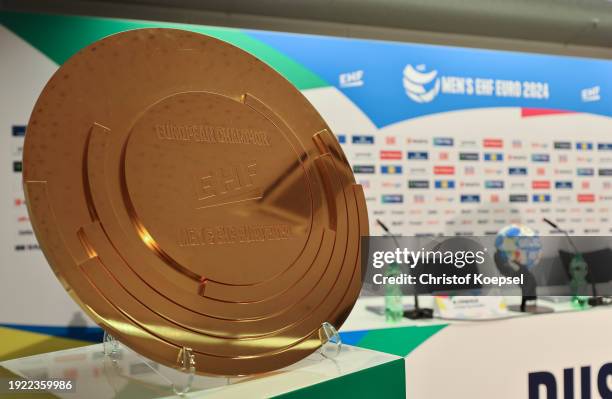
x: 490, y: 359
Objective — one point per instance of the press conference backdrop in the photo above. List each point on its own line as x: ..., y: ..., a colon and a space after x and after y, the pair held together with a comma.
x: 444, y: 140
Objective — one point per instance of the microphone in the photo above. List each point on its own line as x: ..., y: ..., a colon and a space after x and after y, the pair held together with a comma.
x: 554, y: 226
x: 384, y: 227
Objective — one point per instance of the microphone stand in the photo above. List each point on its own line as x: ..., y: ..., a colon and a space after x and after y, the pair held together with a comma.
x: 595, y: 300
x: 417, y: 312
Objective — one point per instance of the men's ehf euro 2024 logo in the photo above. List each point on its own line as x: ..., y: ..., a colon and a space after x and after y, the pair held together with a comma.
x: 423, y: 86
x: 420, y: 85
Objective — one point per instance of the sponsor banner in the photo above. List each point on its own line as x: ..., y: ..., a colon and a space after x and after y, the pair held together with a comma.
x: 369, y: 169
x: 391, y: 169
x: 445, y: 184
x: 493, y: 143
x: 417, y: 155
x: 390, y: 155
x: 517, y: 171
x: 360, y: 139
x: 563, y: 185
x: 392, y: 198
x: 470, y: 198
x: 563, y: 145
x: 469, y: 156
x: 540, y: 184
x: 491, y: 153
x: 494, y: 156
x: 444, y: 170
x: 418, y: 184
x: 494, y: 184
x: 540, y: 158
x: 443, y: 141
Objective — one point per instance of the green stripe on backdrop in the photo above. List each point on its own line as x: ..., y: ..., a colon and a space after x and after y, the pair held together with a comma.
x: 398, y: 341
x: 387, y: 381
x: 61, y: 36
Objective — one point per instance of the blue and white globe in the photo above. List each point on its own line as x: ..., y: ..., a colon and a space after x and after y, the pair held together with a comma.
x: 519, y: 244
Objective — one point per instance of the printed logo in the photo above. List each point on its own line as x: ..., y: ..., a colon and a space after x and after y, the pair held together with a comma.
x: 584, y: 146
x: 351, y: 79
x: 518, y: 198
x: 443, y: 141
x: 390, y: 140
x: 586, y: 198
x: 418, y: 155
x: 493, y: 171
x: 363, y: 168
x: 392, y: 198
x: 540, y: 158
x: 414, y: 141
x: 444, y: 199
x: 468, y: 143
x: 391, y: 169
x: 494, y: 184
x: 539, y: 145
x: 563, y: 171
x: 18, y: 130
x: 362, y: 139
x: 540, y: 184
x: 605, y: 172
x: 604, y: 146
x: 418, y: 199
x: 563, y: 145
x: 444, y: 170
x: 590, y: 94
x: 444, y: 184
x: 563, y: 185
x: 541, y: 197
x: 493, y: 143
x: 421, y: 86
x: 494, y: 156
x: 363, y: 155
x: 387, y: 154
x: 517, y: 171
x: 418, y: 184
x: 470, y: 198
x: 585, y: 171
x: 390, y: 184
x: 468, y: 156
x: 417, y: 171
x: 342, y: 138
x: 17, y: 166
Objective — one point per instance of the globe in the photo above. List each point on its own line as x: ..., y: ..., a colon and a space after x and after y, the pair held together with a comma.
x: 519, y: 244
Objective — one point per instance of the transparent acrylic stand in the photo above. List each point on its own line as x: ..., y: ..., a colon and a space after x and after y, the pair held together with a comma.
x: 180, y: 380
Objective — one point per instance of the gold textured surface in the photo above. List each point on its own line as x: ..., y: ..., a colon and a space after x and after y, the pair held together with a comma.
x: 187, y: 196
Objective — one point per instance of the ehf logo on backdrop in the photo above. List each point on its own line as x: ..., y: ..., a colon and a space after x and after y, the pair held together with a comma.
x: 423, y: 86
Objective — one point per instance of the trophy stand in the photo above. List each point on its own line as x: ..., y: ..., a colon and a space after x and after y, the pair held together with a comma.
x: 180, y: 383
x: 180, y: 380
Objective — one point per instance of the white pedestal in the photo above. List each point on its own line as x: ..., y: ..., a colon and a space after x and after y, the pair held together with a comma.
x: 354, y: 373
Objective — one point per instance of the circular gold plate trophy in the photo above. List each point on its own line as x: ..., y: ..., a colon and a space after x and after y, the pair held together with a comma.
x: 193, y: 202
